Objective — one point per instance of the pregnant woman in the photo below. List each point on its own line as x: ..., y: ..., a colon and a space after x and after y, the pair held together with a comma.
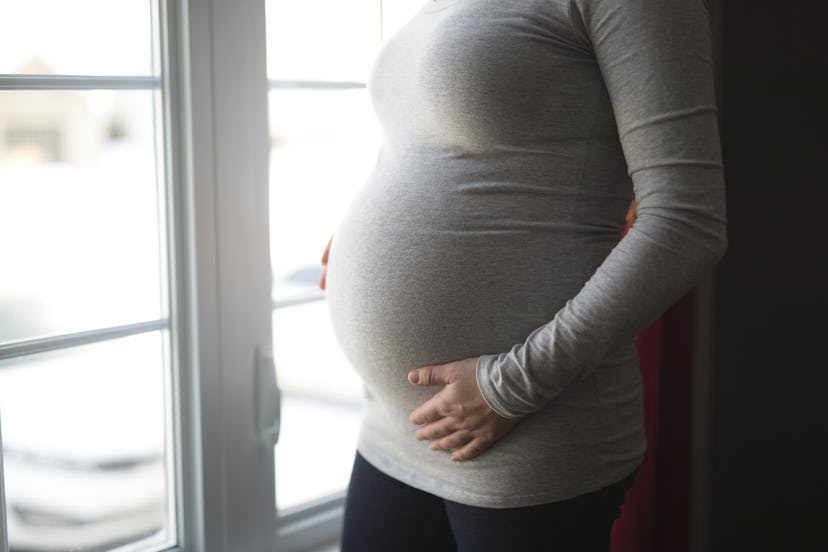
x: 479, y: 284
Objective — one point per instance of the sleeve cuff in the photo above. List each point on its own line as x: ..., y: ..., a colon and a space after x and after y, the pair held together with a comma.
x: 487, y: 366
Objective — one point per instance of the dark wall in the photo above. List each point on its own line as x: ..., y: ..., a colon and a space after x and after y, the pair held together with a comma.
x: 769, y: 445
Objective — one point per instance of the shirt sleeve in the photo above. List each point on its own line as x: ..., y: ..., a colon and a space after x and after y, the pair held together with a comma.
x: 656, y: 62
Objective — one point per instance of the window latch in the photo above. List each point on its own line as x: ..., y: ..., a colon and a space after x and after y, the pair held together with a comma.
x: 268, y: 400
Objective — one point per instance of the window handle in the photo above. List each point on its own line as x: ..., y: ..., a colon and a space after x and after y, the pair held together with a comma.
x: 268, y: 400
x: 4, y: 534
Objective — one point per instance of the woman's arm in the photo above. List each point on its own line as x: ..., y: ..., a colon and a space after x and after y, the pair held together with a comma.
x: 655, y: 58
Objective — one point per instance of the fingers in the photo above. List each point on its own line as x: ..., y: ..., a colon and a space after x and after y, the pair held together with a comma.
x: 445, y: 435
x: 466, y: 438
x: 464, y: 444
x: 430, y: 411
x: 472, y: 448
x: 452, y: 441
x: 327, y: 251
x: 431, y: 375
x: 436, y: 430
x: 323, y: 277
x: 323, y: 274
x: 632, y: 213
x: 456, y: 418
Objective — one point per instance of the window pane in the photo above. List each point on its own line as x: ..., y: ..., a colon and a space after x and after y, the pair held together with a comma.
x: 396, y: 13
x: 79, y: 220
x: 81, y: 37
x: 324, y: 144
x: 84, y: 445
x: 320, y: 406
x: 321, y: 39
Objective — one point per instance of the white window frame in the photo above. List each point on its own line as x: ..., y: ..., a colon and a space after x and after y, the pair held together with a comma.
x: 218, y: 152
x: 218, y: 157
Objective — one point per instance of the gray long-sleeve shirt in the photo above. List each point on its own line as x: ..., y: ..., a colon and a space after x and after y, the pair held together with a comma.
x: 515, y: 133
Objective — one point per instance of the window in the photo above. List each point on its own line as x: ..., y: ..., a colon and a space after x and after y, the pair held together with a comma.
x: 85, y: 363
x: 149, y: 266
x: 324, y: 141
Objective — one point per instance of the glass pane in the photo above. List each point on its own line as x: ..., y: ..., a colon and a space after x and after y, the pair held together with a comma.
x: 321, y: 39
x: 84, y: 446
x: 81, y: 37
x: 396, y: 13
x: 79, y: 220
x: 320, y: 406
x: 324, y: 145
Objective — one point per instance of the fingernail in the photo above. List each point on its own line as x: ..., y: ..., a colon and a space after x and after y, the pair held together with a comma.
x: 413, y: 377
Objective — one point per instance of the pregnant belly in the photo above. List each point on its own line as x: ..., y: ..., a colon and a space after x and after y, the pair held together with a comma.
x: 405, y: 292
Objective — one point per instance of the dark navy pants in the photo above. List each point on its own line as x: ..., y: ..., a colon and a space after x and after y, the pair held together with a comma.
x: 384, y: 515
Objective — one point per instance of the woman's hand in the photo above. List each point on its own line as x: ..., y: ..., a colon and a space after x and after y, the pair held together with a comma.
x: 457, y: 418
x: 632, y: 214
x: 325, y: 265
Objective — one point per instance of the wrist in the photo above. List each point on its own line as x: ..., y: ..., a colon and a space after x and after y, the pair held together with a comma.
x: 486, y: 374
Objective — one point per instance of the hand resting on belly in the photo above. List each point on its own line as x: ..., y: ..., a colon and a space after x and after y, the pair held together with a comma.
x: 456, y: 418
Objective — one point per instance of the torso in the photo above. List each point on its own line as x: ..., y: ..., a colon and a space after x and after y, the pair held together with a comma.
x: 499, y: 189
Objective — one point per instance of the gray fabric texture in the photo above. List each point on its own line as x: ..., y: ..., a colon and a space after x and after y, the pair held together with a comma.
x: 515, y: 134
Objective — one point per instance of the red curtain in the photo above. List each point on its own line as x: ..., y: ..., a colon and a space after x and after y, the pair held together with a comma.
x: 656, y: 514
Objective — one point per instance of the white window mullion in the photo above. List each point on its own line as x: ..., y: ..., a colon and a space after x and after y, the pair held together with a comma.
x: 179, y: 211
x: 77, y: 82
x: 42, y: 345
